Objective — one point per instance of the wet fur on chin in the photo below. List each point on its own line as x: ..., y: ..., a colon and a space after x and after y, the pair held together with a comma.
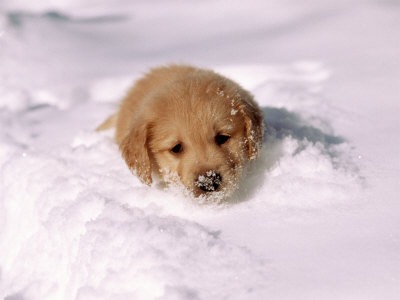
x: 190, y: 122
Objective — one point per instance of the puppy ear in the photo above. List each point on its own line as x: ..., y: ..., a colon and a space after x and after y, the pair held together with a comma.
x: 135, y: 151
x: 254, y: 126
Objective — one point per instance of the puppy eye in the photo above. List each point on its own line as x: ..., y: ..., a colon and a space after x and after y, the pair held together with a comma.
x: 221, y: 139
x: 177, y: 148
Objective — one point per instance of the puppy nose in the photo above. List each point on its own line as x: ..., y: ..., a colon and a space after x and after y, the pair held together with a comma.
x: 209, y: 181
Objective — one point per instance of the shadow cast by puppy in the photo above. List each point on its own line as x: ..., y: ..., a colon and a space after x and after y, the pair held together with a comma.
x: 282, y: 123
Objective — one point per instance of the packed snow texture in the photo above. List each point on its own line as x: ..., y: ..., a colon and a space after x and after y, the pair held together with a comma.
x: 317, y: 216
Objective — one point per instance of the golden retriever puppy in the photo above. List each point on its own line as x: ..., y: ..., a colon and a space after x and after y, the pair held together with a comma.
x: 188, y: 125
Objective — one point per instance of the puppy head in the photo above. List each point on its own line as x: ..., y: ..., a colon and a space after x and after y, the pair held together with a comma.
x: 197, y: 132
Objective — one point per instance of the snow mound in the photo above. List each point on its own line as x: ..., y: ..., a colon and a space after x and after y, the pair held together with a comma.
x: 73, y: 214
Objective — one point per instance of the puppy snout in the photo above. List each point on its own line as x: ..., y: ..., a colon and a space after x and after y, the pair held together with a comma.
x: 208, y: 181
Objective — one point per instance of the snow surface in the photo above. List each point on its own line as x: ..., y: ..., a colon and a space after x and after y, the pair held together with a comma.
x: 316, y: 217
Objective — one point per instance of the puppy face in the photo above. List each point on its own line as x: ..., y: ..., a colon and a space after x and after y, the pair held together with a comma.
x: 197, y: 132
x: 204, y: 145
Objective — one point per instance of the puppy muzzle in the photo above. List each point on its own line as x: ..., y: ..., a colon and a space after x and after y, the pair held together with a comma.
x: 209, y: 181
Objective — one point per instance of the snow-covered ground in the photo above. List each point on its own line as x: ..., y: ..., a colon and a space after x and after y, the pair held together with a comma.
x: 317, y: 216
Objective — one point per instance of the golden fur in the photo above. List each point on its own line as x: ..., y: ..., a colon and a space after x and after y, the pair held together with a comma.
x: 190, y: 125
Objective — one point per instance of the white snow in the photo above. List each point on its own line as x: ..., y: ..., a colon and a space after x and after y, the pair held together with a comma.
x: 317, y: 216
